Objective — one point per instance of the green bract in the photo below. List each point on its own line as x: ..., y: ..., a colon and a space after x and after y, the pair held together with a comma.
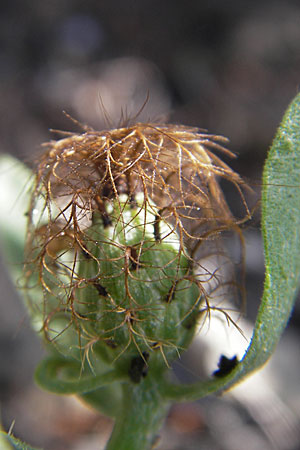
x: 133, y: 295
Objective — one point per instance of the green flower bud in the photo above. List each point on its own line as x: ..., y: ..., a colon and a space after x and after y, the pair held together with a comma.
x: 116, y: 226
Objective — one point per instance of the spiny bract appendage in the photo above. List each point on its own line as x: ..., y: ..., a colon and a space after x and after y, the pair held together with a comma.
x: 116, y: 226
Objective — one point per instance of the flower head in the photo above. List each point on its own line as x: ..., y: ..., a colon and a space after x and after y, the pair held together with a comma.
x: 116, y: 226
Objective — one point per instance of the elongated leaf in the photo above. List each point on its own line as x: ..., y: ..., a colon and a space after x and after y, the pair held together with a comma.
x: 281, y: 234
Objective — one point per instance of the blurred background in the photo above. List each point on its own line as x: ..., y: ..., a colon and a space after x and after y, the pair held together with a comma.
x: 229, y: 67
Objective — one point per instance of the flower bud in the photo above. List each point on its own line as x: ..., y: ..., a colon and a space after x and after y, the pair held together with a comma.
x: 116, y: 226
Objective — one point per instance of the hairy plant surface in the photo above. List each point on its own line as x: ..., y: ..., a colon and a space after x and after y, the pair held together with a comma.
x: 119, y: 223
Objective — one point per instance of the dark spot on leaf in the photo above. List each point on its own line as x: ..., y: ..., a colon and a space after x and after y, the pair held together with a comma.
x: 111, y: 343
x: 226, y: 365
x: 156, y: 227
x: 133, y: 257
x: 86, y: 254
x: 132, y: 201
x: 106, y: 220
x: 171, y: 294
x: 101, y: 289
x: 138, y: 367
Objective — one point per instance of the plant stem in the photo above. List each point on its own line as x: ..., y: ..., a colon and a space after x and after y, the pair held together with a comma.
x: 141, y: 416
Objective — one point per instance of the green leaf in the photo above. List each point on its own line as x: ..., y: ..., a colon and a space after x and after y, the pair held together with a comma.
x: 13, y: 443
x: 15, y: 178
x: 281, y: 235
x: 47, y: 371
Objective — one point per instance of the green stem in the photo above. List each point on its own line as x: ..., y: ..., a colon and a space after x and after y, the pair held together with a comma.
x: 106, y: 399
x: 141, y: 417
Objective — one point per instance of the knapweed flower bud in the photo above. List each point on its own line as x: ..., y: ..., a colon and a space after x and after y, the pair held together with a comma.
x: 116, y: 224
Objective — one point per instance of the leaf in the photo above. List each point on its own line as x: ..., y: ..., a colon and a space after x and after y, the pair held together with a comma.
x: 281, y: 235
x: 15, y: 443
x: 46, y: 375
x: 14, y: 199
